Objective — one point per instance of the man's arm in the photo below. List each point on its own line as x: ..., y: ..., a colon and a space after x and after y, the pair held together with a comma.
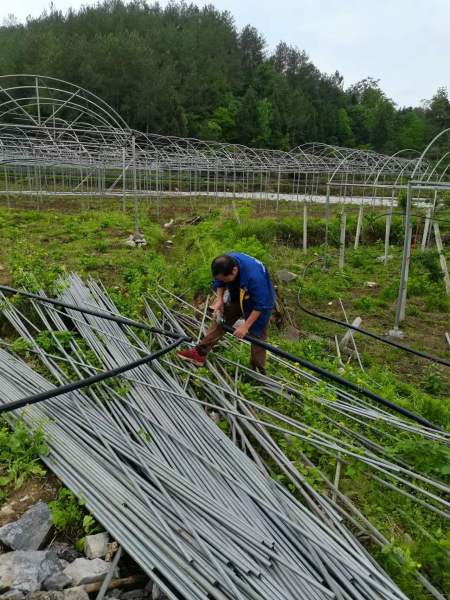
x: 217, y: 307
x: 242, y: 331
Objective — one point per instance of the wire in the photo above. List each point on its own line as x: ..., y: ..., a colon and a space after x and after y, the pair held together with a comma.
x: 338, y: 379
x: 88, y: 311
x: 81, y: 383
x: 375, y: 336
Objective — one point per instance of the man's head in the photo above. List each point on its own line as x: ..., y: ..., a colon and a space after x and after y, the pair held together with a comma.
x: 225, y: 268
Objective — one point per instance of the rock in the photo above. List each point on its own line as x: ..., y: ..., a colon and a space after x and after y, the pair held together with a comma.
x: 371, y: 284
x: 96, y: 546
x: 292, y: 333
x: 84, y: 571
x: 156, y: 592
x: 49, y: 595
x: 75, y: 593
x: 111, y: 550
x: 26, y: 570
x: 396, y: 333
x: 139, y: 239
x: 28, y: 532
x: 65, y: 552
x: 134, y: 595
x: 57, y: 581
x: 214, y: 416
x: 12, y: 595
x: 168, y: 243
x: 113, y: 594
x: 286, y: 276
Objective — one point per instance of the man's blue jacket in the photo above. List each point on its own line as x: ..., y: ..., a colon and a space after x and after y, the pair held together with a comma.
x: 252, y: 288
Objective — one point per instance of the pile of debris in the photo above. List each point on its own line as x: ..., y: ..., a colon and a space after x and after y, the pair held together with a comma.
x: 31, y: 568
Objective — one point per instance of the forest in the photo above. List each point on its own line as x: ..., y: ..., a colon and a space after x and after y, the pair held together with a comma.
x: 189, y: 71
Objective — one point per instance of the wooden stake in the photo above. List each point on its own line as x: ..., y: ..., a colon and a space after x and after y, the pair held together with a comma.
x: 305, y: 228
x: 134, y: 580
x: 440, y: 249
x: 426, y: 229
x: 387, y: 235
x: 342, y: 240
x: 359, y: 226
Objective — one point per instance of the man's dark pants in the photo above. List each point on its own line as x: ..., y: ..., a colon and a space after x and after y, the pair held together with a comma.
x: 233, y: 312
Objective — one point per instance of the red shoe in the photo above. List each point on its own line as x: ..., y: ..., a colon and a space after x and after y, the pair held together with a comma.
x: 192, y: 356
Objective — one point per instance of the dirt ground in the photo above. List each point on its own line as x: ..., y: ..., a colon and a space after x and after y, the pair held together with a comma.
x: 33, y: 490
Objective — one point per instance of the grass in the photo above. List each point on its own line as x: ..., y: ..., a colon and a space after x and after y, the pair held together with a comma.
x: 41, y: 245
x: 20, y: 451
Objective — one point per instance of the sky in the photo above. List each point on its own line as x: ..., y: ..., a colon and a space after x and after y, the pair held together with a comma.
x: 403, y: 43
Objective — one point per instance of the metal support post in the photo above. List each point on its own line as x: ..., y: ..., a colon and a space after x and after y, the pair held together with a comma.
x: 402, y: 292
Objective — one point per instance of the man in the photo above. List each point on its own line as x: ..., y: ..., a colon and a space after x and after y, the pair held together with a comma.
x: 243, y: 289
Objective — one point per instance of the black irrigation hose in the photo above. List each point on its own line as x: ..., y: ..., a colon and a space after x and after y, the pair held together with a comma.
x: 338, y: 379
x: 76, y: 385
x: 435, y: 359
x: 89, y: 311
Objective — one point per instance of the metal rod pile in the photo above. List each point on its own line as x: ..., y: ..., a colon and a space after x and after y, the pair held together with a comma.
x: 363, y: 442
x: 196, y: 513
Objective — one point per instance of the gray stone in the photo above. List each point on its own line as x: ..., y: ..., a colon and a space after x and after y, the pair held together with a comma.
x: 57, y: 581
x: 12, y: 595
x: 64, y: 551
x: 49, y: 595
x: 396, y: 333
x: 214, y: 416
x: 26, y: 570
x: 286, y: 276
x: 96, y: 546
x: 75, y: 593
x: 156, y: 592
x: 84, y: 571
x: 113, y: 594
x: 28, y: 532
x: 292, y: 333
x: 135, y: 595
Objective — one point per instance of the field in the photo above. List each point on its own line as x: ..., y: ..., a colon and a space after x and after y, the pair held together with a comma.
x: 38, y: 246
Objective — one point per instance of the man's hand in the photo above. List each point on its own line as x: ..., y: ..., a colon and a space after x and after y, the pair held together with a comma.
x: 218, y: 307
x: 241, y: 331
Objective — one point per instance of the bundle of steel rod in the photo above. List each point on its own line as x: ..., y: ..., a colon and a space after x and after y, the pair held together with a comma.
x: 201, y: 517
x: 222, y: 392
x: 363, y: 443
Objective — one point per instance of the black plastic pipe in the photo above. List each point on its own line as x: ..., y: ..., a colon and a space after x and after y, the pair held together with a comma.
x: 338, y: 379
x: 82, y: 383
x: 375, y: 336
x: 88, y: 311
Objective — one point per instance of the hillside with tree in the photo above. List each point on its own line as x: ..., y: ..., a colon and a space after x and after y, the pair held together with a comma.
x: 188, y: 71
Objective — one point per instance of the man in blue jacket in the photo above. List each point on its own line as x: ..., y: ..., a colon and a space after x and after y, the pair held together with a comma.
x: 243, y: 289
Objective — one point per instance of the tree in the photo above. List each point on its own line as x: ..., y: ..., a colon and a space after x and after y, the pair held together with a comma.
x: 251, y: 46
x: 439, y: 110
x: 247, y: 118
x: 186, y: 70
x: 344, y: 129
